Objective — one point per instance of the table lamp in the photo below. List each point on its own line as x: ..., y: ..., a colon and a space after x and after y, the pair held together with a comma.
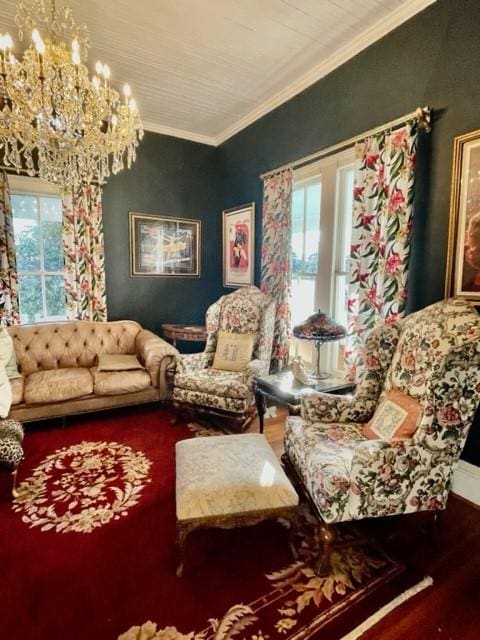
x: 319, y: 328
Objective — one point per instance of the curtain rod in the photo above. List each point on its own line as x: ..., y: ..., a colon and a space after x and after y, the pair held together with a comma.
x: 421, y: 114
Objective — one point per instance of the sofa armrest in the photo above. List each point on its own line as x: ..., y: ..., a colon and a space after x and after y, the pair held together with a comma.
x: 191, y: 362
x: 156, y: 355
x: 329, y: 407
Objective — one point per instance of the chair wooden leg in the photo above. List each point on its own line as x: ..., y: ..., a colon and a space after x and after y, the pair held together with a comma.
x: 326, y: 537
x: 435, y: 528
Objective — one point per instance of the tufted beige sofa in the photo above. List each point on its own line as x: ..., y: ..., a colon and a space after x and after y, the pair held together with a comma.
x: 58, y: 373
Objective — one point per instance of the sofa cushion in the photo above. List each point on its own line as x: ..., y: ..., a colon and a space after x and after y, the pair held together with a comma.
x: 56, y: 385
x: 117, y: 362
x: 112, y: 383
x: 17, y: 385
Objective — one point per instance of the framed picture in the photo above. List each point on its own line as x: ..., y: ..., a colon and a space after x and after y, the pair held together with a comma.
x: 463, y: 260
x: 238, y: 246
x: 163, y: 246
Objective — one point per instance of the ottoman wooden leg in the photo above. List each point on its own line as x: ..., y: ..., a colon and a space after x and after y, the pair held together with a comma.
x: 182, y: 533
x: 14, y: 485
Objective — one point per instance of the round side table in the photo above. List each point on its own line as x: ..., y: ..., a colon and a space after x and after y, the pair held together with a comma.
x: 186, y: 332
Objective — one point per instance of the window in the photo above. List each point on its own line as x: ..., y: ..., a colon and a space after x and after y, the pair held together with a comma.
x: 322, y: 202
x: 37, y: 226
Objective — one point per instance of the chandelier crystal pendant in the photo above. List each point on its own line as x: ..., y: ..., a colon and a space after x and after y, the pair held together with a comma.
x: 56, y: 121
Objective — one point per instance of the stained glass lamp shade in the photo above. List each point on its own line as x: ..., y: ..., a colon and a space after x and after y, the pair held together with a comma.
x: 319, y: 328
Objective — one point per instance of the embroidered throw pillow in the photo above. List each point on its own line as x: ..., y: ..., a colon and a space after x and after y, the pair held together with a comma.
x: 117, y: 362
x: 234, y: 350
x: 396, y: 418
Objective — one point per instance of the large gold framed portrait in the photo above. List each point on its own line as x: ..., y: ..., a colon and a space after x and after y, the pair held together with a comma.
x: 463, y: 260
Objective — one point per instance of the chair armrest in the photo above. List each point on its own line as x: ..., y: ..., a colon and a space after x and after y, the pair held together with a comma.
x: 329, y: 407
x: 254, y: 369
x: 389, y: 478
x: 191, y: 362
x: 156, y: 355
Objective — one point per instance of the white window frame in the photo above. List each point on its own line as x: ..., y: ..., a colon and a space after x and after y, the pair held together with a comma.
x: 330, y: 250
x: 25, y: 185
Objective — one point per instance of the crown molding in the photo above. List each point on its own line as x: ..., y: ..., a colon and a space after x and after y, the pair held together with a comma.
x: 362, y: 41
x: 359, y: 43
x: 180, y: 133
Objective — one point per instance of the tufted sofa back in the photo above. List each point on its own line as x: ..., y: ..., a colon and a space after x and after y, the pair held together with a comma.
x: 70, y: 344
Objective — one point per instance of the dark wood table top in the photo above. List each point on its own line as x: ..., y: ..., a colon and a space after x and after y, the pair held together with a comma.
x: 187, y: 332
x: 286, y: 388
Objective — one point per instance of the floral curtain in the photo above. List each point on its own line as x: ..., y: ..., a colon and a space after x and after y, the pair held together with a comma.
x: 83, y: 252
x: 275, y: 278
x: 9, y: 311
x: 382, y: 222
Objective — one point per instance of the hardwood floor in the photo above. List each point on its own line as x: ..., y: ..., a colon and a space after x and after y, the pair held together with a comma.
x: 450, y: 609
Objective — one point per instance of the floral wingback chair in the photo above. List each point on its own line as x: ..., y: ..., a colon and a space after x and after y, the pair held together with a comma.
x: 228, y: 393
x: 434, y: 359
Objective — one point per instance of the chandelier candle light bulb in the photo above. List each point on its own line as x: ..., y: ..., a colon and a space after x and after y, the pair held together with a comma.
x: 55, y: 122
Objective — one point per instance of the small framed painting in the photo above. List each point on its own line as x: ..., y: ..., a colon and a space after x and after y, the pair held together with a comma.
x: 463, y: 258
x: 163, y: 246
x: 238, y: 245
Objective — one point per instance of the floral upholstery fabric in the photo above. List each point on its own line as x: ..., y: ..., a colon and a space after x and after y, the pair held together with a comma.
x: 379, y: 349
x: 437, y: 362
x: 246, y: 310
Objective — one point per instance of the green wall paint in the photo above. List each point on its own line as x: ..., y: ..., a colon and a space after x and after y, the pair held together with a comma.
x: 171, y: 177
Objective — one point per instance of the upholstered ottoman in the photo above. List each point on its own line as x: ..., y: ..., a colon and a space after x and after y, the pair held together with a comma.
x: 11, y: 450
x: 230, y: 481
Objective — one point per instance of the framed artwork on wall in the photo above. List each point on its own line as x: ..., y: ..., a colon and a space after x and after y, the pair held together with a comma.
x: 238, y: 245
x: 164, y: 246
x: 463, y: 259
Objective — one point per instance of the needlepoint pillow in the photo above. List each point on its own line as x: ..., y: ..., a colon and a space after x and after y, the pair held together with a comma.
x: 117, y: 362
x: 234, y: 350
x: 396, y: 418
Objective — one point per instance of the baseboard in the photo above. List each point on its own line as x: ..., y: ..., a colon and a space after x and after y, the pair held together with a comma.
x: 466, y: 482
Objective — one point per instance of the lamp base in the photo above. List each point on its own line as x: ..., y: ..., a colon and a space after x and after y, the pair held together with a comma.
x: 314, y: 376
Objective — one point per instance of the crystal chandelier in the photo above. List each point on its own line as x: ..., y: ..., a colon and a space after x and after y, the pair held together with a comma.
x: 57, y: 122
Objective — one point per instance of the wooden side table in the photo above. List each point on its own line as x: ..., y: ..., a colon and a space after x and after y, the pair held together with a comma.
x: 284, y: 389
x: 186, y: 332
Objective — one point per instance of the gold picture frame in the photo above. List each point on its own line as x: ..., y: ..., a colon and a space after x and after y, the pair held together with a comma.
x: 238, y: 238
x: 164, y: 246
x: 463, y: 256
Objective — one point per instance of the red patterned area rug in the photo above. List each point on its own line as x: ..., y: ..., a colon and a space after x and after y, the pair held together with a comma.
x: 87, y: 550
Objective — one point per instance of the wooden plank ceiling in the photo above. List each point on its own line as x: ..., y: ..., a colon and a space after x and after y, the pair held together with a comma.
x: 205, y: 68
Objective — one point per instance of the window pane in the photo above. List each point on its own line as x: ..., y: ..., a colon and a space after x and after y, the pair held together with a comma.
x: 348, y: 215
x: 30, y: 298
x: 26, y: 232
x: 303, y: 298
x: 55, y: 297
x: 51, y: 217
x: 312, y: 228
x: 298, y: 197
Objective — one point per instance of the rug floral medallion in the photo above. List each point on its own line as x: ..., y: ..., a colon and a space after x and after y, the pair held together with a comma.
x: 82, y: 487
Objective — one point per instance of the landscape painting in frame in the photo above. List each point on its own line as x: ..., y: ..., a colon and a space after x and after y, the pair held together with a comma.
x: 463, y: 265
x: 163, y: 246
x: 238, y: 246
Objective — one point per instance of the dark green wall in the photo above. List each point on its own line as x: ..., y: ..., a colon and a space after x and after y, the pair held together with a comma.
x: 433, y: 59
x: 171, y: 177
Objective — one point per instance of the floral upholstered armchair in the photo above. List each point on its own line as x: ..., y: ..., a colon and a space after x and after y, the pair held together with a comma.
x: 228, y: 393
x: 433, y: 357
